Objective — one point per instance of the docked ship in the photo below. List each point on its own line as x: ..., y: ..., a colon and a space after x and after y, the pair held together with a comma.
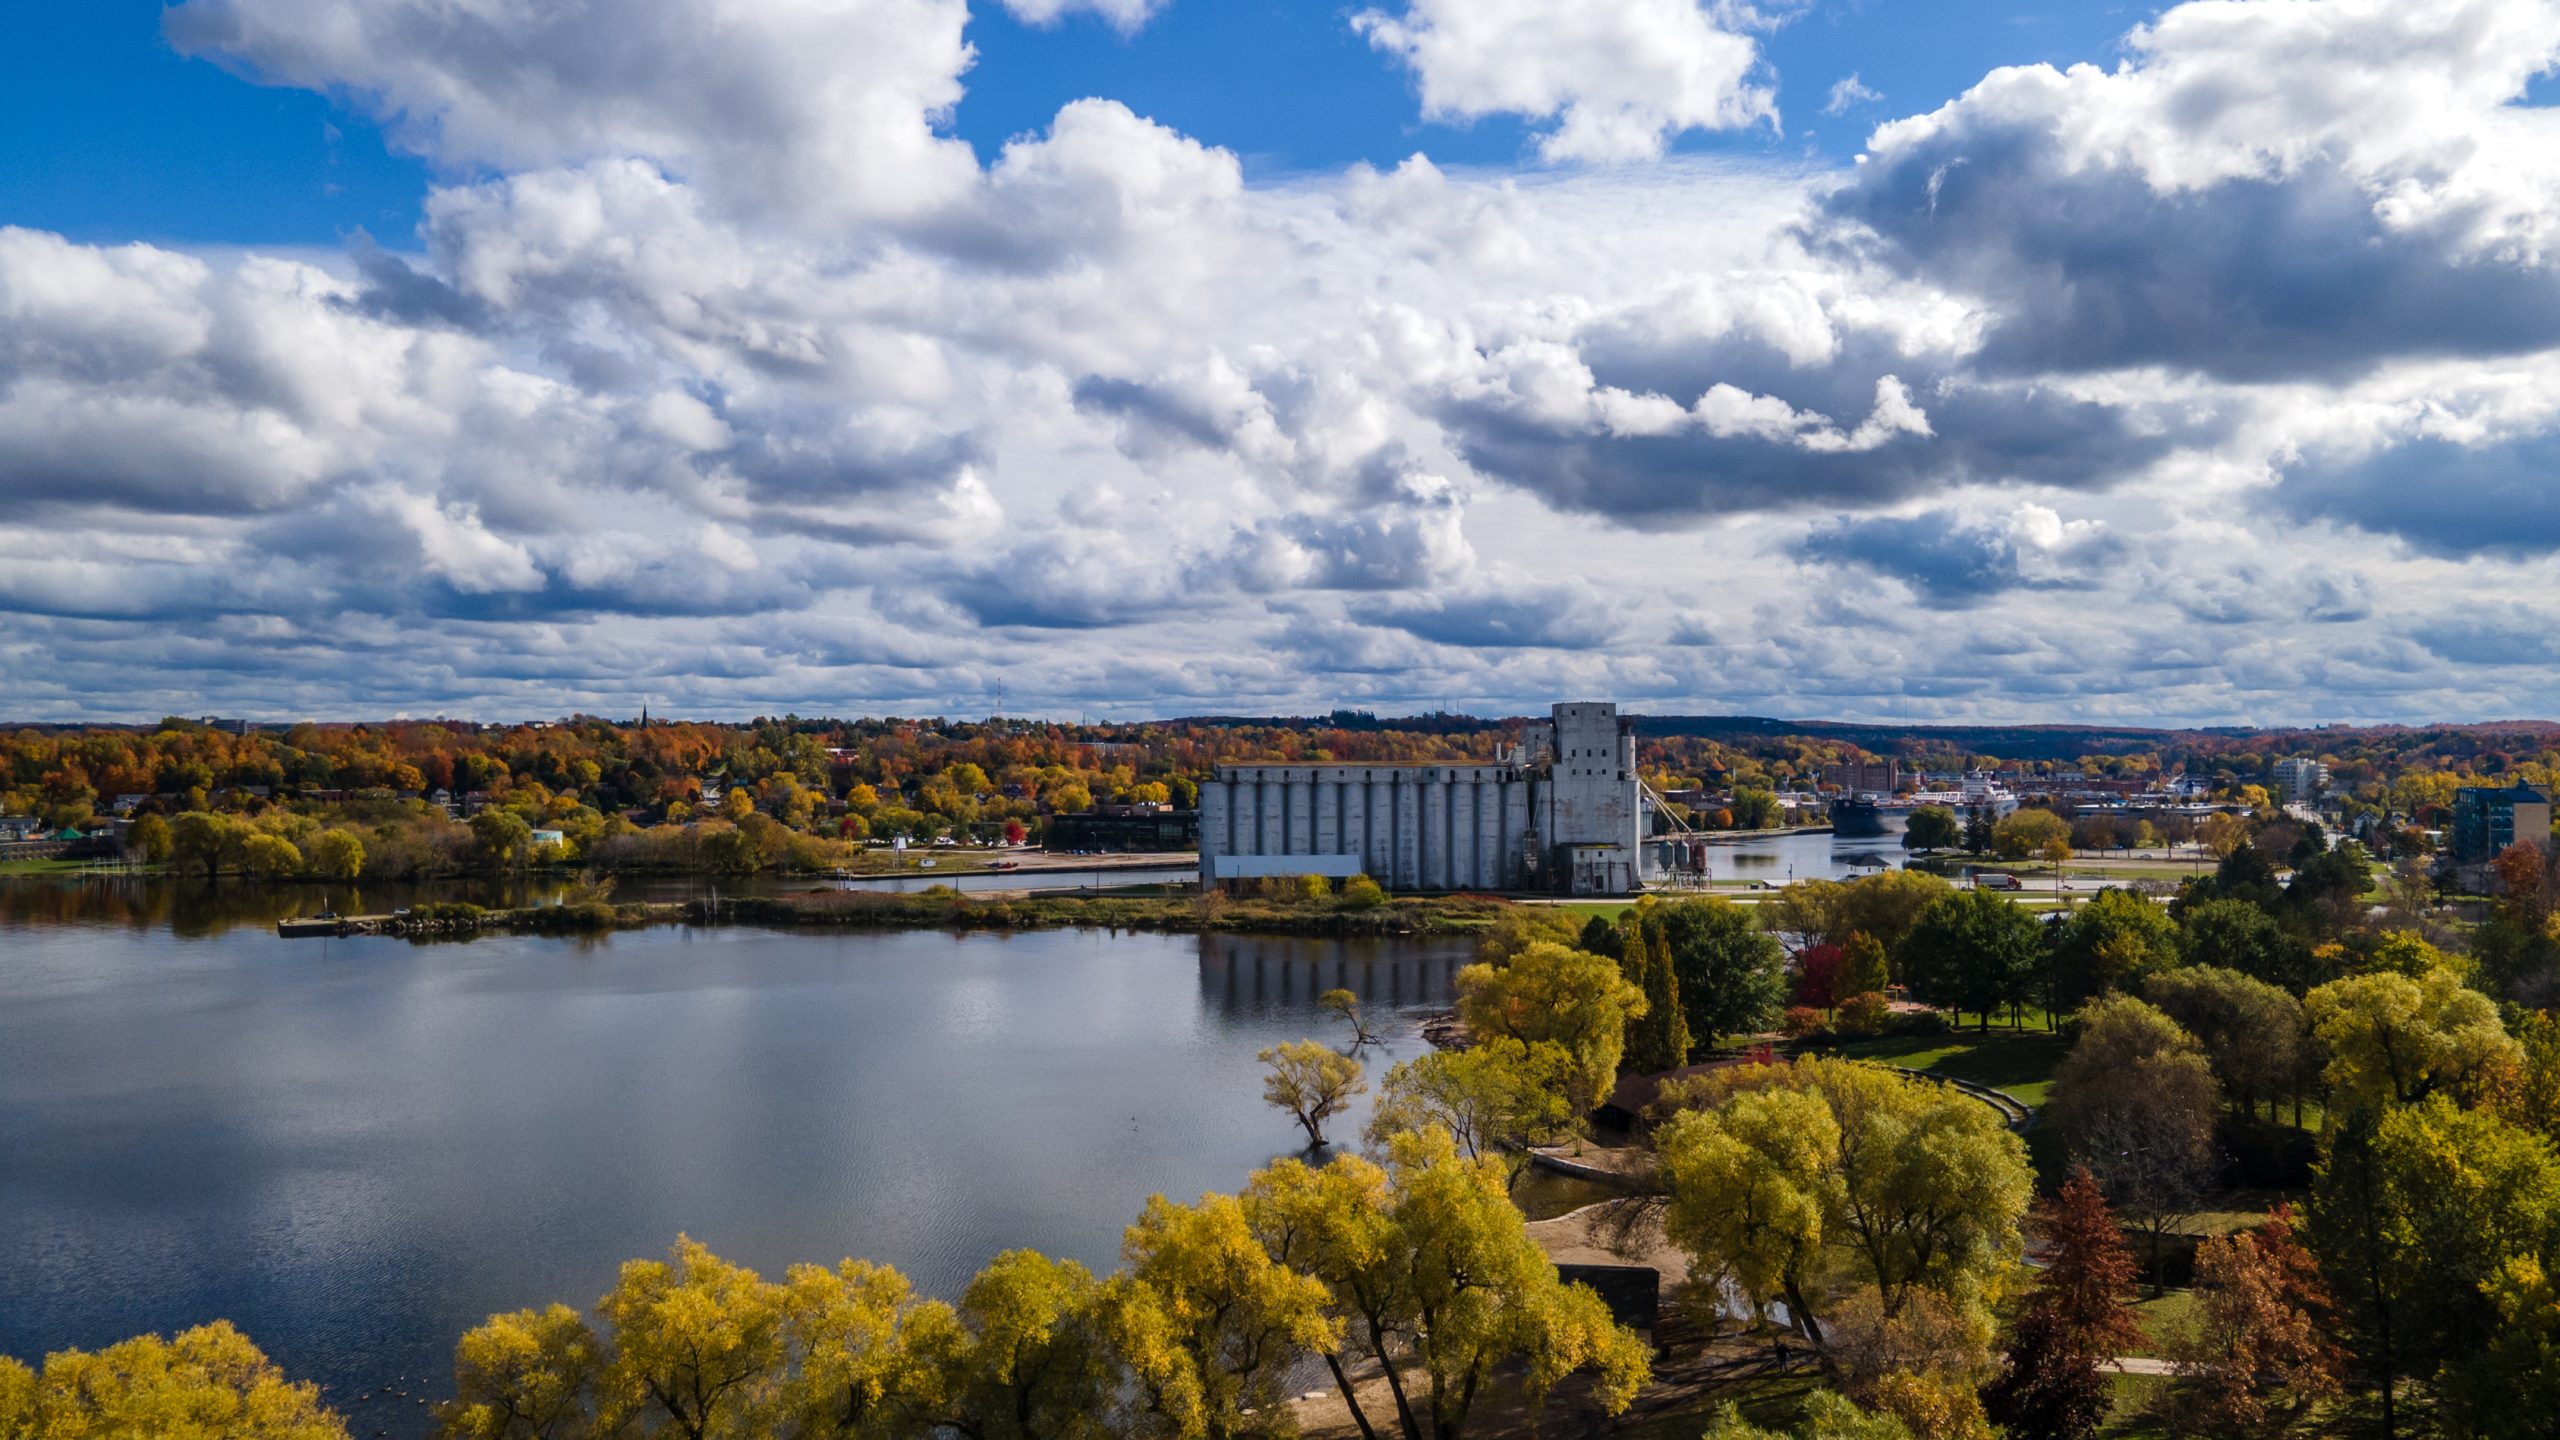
x: 1866, y: 816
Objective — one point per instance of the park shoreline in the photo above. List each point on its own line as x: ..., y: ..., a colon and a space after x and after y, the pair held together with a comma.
x: 1456, y: 915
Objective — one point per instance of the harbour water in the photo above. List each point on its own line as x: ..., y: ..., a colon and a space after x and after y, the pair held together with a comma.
x: 357, y: 1148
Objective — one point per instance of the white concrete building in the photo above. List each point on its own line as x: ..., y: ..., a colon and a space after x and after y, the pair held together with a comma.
x: 2301, y: 780
x: 1562, y: 812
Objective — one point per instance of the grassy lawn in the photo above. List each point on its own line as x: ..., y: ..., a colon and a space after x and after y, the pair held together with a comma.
x: 2164, y: 1319
x: 44, y: 867
x: 2019, y: 1062
x: 1585, y: 910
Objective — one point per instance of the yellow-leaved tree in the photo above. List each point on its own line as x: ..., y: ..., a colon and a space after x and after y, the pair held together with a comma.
x: 1902, y: 1186
x: 208, y: 1383
x: 1554, y: 993
x: 1427, y: 1269
x: 1205, y: 1322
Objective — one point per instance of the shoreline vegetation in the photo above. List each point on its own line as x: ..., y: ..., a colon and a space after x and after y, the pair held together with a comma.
x: 945, y: 909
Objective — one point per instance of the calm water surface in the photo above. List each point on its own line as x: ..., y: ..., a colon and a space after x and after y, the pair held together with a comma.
x: 357, y: 1148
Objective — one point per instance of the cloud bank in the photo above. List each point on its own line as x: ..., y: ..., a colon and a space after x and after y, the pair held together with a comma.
x: 2218, y: 384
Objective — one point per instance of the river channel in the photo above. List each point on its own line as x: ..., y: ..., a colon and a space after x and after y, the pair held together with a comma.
x: 357, y: 1148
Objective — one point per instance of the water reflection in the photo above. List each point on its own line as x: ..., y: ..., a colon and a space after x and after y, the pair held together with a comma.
x: 357, y: 1149
x: 1244, y: 974
x: 197, y: 908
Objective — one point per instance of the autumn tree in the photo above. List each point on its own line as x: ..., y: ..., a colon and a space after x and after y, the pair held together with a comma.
x: 1430, y: 1273
x: 148, y: 840
x: 2135, y: 1102
x: 500, y: 837
x: 2077, y: 1317
x: 526, y: 1375
x: 1560, y: 995
x: 2387, y: 1038
x: 697, y: 1344
x: 1911, y: 1186
x: 1498, y: 1098
x: 2025, y: 832
x: 1028, y: 1359
x: 336, y: 855
x: 1346, y: 1004
x: 864, y: 1357
x: 2109, y: 943
x: 2259, y: 1354
x: 1312, y: 1081
x: 1204, y: 1323
x: 1750, y: 1184
x: 208, y: 1381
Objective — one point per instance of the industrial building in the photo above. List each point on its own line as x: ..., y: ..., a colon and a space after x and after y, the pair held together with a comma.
x: 1563, y: 811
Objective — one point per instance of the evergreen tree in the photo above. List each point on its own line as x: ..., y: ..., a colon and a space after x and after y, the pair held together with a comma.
x: 1665, y: 1028
x: 2079, y: 1316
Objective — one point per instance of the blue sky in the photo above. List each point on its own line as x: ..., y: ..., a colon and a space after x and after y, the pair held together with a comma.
x: 366, y: 357
x: 108, y: 133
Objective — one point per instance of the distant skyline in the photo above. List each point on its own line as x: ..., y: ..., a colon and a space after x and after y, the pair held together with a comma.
x: 1820, y: 359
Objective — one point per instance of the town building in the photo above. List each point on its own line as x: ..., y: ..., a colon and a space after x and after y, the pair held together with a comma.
x: 2301, y: 780
x: 2488, y: 819
x: 1563, y: 811
x: 1864, y: 777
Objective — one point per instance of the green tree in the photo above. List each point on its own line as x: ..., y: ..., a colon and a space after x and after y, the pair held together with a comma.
x: 2025, y: 832
x: 1497, y: 1098
x: 2110, y: 943
x: 1915, y: 1186
x: 2078, y: 1317
x: 2251, y: 1031
x: 1933, y: 827
x: 2389, y: 1039
x: 1658, y: 1039
x: 1731, y: 977
x: 1827, y: 1416
x: 2414, y: 1215
x: 1428, y: 1267
x: 1554, y: 993
x: 1971, y: 950
x: 1864, y: 969
x: 2237, y: 935
x: 148, y: 840
x: 206, y: 1382
x: 1312, y: 1081
x: 1754, y: 809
